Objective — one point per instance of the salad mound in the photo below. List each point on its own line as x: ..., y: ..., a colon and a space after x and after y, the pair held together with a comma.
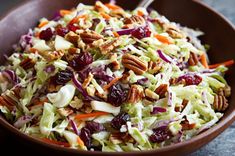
x: 101, y: 78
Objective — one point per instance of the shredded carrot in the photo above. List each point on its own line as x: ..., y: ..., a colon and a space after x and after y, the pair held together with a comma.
x: 42, y: 24
x: 33, y: 50
x: 162, y: 39
x: 65, y: 144
x: 115, y: 34
x: 115, y: 80
x: 65, y: 12
x: 89, y: 115
x: 204, y: 60
x: 140, y: 13
x: 106, y: 16
x: 113, y: 6
x: 227, y: 63
x: 80, y: 142
x: 76, y: 19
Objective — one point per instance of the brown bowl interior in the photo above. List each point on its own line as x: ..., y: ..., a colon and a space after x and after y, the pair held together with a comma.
x: 220, y: 35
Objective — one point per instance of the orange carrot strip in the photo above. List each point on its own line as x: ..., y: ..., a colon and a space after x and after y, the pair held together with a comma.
x: 33, y: 50
x: 80, y: 142
x: 76, y: 19
x: 89, y: 115
x: 65, y: 12
x: 113, y: 6
x: 116, y: 34
x: 162, y: 39
x: 204, y: 60
x: 140, y: 13
x: 65, y: 144
x: 227, y: 63
x: 115, y: 80
x: 42, y: 24
x: 106, y: 16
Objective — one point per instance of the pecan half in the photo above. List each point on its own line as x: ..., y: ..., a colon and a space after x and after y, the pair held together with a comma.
x: 109, y: 46
x: 220, y: 103
x: 9, y: 99
x: 134, y: 20
x: 151, y: 95
x: 135, y: 94
x: 89, y: 37
x: 193, y: 59
x: 73, y: 38
x: 154, y: 67
x: 162, y: 90
x: 134, y: 63
x: 27, y: 63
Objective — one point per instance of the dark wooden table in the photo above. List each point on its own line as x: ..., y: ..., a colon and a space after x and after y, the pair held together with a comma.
x: 224, y: 145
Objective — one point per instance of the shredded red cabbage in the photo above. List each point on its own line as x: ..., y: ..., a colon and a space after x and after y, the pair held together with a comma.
x: 164, y: 57
x: 11, y: 76
x: 125, y: 31
x: 74, y: 127
x: 22, y: 121
x: 157, y: 110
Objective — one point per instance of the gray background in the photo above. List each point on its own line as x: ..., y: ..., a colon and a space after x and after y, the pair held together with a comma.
x: 224, y: 145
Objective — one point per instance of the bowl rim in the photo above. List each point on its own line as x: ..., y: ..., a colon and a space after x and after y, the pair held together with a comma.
x: 219, y: 127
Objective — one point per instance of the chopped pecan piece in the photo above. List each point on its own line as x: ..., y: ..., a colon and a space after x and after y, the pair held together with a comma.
x: 87, y: 81
x: 154, y: 67
x: 134, y: 63
x: 220, y: 103
x: 135, y: 94
x: 89, y: 37
x: 109, y: 46
x: 115, y: 64
x: 175, y: 33
x: 183, y: 105
x: 65, y: 111
x: 186, y: 125
x: 151, y: 95
x: 27, y: 63
x: 173, y: 81
x: 117, y: 138
x: 100, y: 7
x: 162, y: 90
x: 52, y: 55
x: 193, y: 59
x: 135, y: 20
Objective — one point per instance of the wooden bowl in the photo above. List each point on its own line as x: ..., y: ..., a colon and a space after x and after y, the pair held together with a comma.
x: 220, y: 35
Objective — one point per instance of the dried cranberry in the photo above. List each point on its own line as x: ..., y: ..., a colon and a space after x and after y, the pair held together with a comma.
x: 160, y: 134
x: 81, y: 60
x: 63, y: 77
x: 190, y: 79
x: 141, y: 32
x: 46, y: 34
x: 117, y: 95
x: 72, y: 27
x: 62, y: 31
x: 94, y: 127
x: 120, y: 120
x: 85, y: 135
